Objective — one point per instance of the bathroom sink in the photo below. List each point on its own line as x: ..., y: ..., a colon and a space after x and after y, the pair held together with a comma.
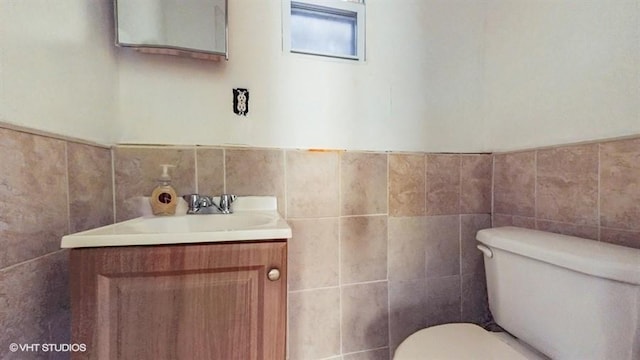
x: 198, y: 223
x: 255, y: 218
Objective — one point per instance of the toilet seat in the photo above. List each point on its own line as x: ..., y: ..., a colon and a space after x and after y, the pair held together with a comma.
x: 458, y: 341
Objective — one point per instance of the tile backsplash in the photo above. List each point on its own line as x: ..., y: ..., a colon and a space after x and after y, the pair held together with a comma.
x: 136, y: 173
x: 590, y: 190
x: 368, y: 229
x: 50, y: 187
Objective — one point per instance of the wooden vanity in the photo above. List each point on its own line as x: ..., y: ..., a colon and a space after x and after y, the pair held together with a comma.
x: 223, y: 300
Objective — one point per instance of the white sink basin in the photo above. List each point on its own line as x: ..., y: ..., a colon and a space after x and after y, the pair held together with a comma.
x: 197, y: 223
x: 255, y: 218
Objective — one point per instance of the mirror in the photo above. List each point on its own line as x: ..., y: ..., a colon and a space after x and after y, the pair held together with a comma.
x: 174, y: 27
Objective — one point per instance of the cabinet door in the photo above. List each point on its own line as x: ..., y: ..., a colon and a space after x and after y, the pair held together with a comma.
x: 210, y: 301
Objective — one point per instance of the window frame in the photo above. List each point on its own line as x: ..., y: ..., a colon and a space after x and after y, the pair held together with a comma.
x: 357, y: 7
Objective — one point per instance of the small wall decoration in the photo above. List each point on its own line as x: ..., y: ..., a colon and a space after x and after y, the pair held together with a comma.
x: 241, y: 101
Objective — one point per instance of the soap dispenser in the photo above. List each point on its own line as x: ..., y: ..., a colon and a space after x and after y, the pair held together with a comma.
x: 164, y: 198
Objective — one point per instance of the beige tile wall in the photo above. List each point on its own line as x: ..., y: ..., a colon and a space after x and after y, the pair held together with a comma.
x: 369, y: 229
x: 383, y: 244
x: 136, y: 170
x: 591, y: 190
x: 378, y: 249
x: 49, y: 187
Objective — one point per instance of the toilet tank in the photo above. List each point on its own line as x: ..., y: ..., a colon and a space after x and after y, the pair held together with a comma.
x: 568, y: 297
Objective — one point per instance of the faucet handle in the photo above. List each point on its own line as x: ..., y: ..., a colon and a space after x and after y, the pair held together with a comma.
x: 228, y: 197
x: 193, y: 201
x: 225, y: 202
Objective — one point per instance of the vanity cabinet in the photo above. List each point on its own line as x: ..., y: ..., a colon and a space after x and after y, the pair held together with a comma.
x: 201, y: 301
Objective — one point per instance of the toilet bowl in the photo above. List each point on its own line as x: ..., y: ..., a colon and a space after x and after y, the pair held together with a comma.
x: 463, y: 341
x: 563, y: 297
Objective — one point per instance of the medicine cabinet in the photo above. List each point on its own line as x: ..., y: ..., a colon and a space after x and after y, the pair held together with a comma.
x: 195, y: 28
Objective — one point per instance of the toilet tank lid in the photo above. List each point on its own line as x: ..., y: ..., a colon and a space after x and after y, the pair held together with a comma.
x: 586, y: 256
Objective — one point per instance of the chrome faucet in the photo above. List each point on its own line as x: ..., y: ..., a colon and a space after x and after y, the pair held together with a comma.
x: 202, y: 204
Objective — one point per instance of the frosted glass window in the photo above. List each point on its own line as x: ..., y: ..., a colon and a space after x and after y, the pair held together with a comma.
x: 323, y: 31
x: 324, y: 27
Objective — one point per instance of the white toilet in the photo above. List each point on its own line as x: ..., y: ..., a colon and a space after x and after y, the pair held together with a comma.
x: 560, y: 297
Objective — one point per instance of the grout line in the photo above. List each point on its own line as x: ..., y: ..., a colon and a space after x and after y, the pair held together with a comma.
x: 331, y: 357
x: 599, y: 222
x: 359, y: 216
x: 535, y: 189
x: 284, y: 215
x: 387, y: 189
x: 340, y: 207
x: 365, y: 283
x: 425, y: 163
x: 387, y: 257
x: 340, y: 250
x: 460, y: 257
x: 24, y: 262
x: 113, y: 181
x: 224, y: 170
x: 459, y: 184
x: 66, y: 171
x: 633, y: 230
x: 313, y: 218
x: 460, y: 228
x: 286, y: 187
x: 314, y: 289
x: 364, y: 351
x: 195, y: 161
x: 493, y: 187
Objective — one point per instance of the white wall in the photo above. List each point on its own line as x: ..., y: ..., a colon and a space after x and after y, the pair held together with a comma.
x: 419, y: 86
x: 57, y: 67
x: 453, y: 80
x: 561, y: 71
x: 440, y: 75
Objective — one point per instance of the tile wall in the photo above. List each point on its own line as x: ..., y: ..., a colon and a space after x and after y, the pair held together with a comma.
x: 383, y: 244
x: 590, y: 190
x: 49, y: 187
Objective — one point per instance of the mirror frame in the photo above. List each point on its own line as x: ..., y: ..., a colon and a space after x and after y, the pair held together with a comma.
x: 177, y: 50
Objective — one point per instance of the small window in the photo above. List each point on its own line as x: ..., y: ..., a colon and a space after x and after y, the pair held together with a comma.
x: 332, y: 28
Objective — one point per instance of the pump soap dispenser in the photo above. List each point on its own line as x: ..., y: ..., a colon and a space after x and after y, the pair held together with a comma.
x: 164, y: 198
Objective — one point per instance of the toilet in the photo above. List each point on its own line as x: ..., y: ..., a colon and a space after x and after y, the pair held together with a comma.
x: 557, y: 296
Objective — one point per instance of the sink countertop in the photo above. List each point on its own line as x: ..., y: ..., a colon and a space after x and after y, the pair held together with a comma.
x: 254, y: 218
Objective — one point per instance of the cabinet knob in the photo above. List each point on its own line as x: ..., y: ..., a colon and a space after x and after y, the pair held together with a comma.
x: 274, y: 274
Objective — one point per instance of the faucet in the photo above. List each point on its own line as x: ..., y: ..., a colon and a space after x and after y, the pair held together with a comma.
x: 202, y: 204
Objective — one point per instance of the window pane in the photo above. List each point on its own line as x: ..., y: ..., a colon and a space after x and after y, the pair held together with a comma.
x: 323, y: 31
